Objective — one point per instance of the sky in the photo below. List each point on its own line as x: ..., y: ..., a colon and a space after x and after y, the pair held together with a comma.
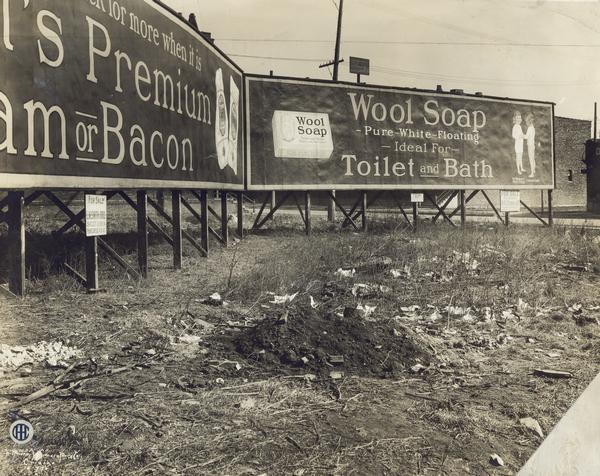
x: 526, y: 49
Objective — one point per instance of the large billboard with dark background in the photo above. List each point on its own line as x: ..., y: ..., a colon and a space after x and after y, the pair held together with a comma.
x: 114, y: 94
x: 314, y: 135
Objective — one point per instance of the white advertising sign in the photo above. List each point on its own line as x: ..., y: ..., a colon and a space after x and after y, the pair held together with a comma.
x: 302, y: 135
x: 417, y: 198
x: 95, y: 215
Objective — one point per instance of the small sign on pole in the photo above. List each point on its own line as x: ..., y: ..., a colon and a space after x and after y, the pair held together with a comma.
x: 95, y: 215
x: 417, y: 197
x: 359, y: 65
x: 510, y: 200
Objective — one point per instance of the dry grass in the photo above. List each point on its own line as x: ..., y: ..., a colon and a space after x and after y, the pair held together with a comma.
x: 172, y: 416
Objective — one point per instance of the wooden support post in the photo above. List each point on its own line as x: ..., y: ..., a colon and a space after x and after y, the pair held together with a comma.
x: 177, y: 235
x: 363, y: 201
x: 91, y: 263
x: 331, y: 208
x: 160, y: 199
x: 240, y: 214
x: 142, y: 232
x: 204, y: 220
x: 415, y: 207
x: 463, y: 211
x: 273, y: 203
x: 224, y: 217
x: 307, y: 217
x: 550, y: 210
x: 506, y: 218
x: 16, y: 243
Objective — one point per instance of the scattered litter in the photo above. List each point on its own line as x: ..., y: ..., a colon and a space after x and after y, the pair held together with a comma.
x: 336, y: 359
x: 375, y: 265
x: 150, y: 352
x: 509, y: 315
x: 363, y: 290
x: 52, y: 352
x: 403, y: 273
x: 345, y: 273
x: 533, y: 425
x: 285, y: 299
x: 552, y: 373
x: 190, y: 339
x: 214, y: 299
x: 575, y: 309
x: 219, y: 381
x: 336, y: 375
x: 435, y: 316
x: 417, y: 368
x: 365, y: 310
x: 313, y: 303
x: 496, y: 460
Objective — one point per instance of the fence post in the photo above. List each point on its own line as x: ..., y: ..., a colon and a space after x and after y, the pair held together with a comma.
x: 16, y: 243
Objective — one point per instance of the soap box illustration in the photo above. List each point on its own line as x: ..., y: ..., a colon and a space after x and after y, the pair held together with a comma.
x: 227, y: 125
x: 302, y: 135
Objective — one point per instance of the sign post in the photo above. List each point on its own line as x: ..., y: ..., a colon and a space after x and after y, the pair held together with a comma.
x: 95, y: 225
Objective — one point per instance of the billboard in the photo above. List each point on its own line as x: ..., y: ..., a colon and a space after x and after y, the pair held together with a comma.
x: 310, y: 135
x: 114, y: 94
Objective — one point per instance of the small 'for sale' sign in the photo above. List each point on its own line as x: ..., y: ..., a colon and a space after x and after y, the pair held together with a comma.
x: 95, y: 215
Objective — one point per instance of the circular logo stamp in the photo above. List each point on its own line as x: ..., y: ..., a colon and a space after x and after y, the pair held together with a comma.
x: 21, y: 432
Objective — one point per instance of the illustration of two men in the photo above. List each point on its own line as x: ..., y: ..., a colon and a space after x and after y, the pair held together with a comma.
x: 519, y: 137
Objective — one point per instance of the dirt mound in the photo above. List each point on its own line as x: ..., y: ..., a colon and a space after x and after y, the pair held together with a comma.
x: 321, y: 342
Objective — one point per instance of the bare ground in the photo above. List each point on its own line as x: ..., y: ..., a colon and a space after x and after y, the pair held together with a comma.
x: 167, y: 384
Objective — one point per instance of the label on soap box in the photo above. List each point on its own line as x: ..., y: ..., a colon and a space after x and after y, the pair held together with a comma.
x: 302, y: 135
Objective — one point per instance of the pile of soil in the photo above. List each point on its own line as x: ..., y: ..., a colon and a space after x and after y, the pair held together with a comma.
x: 321, y: 342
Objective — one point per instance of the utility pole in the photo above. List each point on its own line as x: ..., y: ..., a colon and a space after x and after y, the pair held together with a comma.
x: 336, y: 63
x: 336, y: 57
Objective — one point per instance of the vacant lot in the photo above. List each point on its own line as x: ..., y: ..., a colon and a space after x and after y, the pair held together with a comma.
x: 343, y: 353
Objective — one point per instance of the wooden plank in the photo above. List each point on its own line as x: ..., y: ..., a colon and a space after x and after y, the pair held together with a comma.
x: 399, y: 205
x: 534, y: 213
x: 363, y: 197
x: 16, y: 243
x: 441, y: 210
x: 485, y: 195
x: 260, y: 212
x: 277, y: 206
x: 240, y: 215
x: 142, y: 232
x: 32, y: 198
x: 307, y: 210
x: 467, y: 200
x: 550, y: 209
x: 352, y: 213
x: 415, y: 213
x: 224, y: 218
x: 463, y: 210
x: 177, y: 232
x: 299, y: 208
x: 151, y: 222
x: 91, y: 263
x: 74, y: 274
x: 204, y: 220
x: 102, y: 244
x: 343, y: 210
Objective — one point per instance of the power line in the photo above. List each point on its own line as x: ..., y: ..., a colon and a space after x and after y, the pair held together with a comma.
x: 418, y: 43
x: 433, y: 76
x: 516, y: 82
x: 279, y: 58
